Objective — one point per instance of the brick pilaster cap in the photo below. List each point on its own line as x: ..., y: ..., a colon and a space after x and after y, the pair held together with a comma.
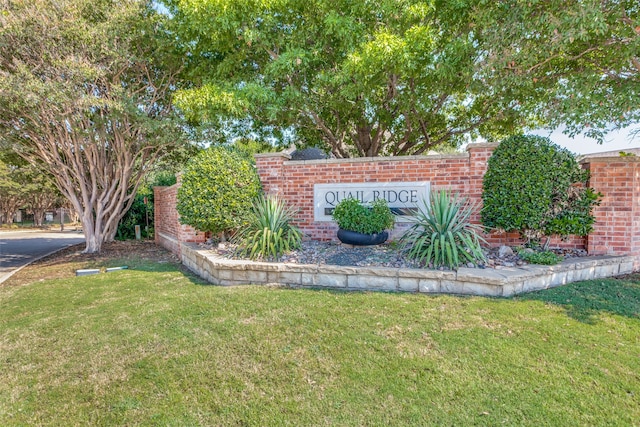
x: 281, y: 154
x: 479, y: 145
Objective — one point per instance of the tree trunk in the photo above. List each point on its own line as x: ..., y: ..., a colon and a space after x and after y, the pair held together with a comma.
x: 8, y: 217
x: 93, y: 242
x: 38, y: 217
x: 93, y: 236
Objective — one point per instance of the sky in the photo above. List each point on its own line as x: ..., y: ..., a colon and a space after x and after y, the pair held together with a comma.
x: 619, y: 140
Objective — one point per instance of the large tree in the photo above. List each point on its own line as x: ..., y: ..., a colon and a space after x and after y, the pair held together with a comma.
x: 364, y: 78
x: 40, y: 194
x: 580, y: 57
x: 399, y: 77
x: 84, y: 93
x: 25, y: 186
x: 11, y: 196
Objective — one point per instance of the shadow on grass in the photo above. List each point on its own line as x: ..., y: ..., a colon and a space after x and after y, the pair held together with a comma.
x: 151, y: 266
x: 584, y: 300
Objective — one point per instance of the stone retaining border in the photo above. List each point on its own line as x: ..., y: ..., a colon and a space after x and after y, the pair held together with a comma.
x: 503, y: 282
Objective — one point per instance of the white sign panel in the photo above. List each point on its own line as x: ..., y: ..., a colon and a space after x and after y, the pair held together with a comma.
x: 402, y: 197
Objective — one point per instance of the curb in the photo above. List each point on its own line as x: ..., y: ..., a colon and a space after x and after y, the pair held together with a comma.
x: 505, y: 282
x: 8, y: 275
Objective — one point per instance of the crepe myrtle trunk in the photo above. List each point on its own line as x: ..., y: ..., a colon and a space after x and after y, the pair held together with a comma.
x: 38, y: 217
x: 8, y: 217
x: 99, y: 227
x: 96, y: 231
x: 92, y: 239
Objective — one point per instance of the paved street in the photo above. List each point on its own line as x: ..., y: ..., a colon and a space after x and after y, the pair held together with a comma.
x: 17, y: 248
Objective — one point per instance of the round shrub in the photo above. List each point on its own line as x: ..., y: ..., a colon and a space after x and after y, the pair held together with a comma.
x: 218, y: 188
x: 536, y: 188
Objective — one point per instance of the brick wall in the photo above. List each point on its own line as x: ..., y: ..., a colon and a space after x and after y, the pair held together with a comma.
x: 617, y: 228
x: 616, y: 231
x: 168, y: 230
x: 462, y: 173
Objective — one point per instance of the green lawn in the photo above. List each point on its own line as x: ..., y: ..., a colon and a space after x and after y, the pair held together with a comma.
x: 153, y: 346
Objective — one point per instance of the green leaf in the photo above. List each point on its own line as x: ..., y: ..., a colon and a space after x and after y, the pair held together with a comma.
x: 440, y: 234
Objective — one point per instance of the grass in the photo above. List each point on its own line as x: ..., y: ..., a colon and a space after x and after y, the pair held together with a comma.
x: 154, y: 346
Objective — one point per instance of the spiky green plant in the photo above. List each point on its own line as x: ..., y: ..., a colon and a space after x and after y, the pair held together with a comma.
x: 268, y: 233
x: 442, y: 234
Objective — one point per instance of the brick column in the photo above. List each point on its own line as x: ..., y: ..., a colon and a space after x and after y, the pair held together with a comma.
x: 617, y: 227
x: 169, y: 233
x: 478, y: 157
x: 270, y: 168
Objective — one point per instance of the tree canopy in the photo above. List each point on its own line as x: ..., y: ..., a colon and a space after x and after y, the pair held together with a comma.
x: 362, y: 78
x: 85, y: 94
x: 581, y: 59
x: 25, y: 186
x: 399, y: 77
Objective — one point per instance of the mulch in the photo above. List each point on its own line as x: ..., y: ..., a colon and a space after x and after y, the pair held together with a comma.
x: 146, y: 250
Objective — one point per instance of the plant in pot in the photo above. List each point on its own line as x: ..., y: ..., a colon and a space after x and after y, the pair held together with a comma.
x: 363, y: 225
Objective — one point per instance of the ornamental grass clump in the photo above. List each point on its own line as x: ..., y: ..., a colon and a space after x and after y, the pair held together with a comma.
x: 441, y: 234
x: 268, y: 233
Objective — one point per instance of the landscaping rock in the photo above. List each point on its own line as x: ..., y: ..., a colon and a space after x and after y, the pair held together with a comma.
x: 386, y: 255
x: 505, y: 251
x: 309, y: 154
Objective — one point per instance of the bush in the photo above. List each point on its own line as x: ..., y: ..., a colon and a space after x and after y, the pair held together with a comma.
x: 139, y: 212
x: 351, y: 215
x: 218, y: 187
x: 441, y: 234
x: 538, y: 189
x: 268, y: 234
x: 541, y: 257
x: 137, y: 215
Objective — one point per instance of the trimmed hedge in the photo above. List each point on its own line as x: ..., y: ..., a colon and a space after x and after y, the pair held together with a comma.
x: 218, y: 188
x: 537, y: 188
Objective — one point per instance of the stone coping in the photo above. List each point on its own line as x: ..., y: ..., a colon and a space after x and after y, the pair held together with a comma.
x: 609, y: 159
x: 285, y: 154
x: 502, y: 282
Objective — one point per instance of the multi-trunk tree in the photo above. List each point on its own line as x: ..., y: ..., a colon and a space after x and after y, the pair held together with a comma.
x: 84, y: 94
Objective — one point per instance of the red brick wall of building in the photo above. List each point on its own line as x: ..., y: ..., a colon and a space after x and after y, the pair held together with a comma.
x: 617, y: 227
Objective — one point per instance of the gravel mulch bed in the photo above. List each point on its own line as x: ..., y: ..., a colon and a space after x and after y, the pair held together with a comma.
x: 314, y: 252
x: 385, y: 255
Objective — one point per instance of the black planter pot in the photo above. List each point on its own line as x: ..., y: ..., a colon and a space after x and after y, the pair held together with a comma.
x: 360, y: 239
